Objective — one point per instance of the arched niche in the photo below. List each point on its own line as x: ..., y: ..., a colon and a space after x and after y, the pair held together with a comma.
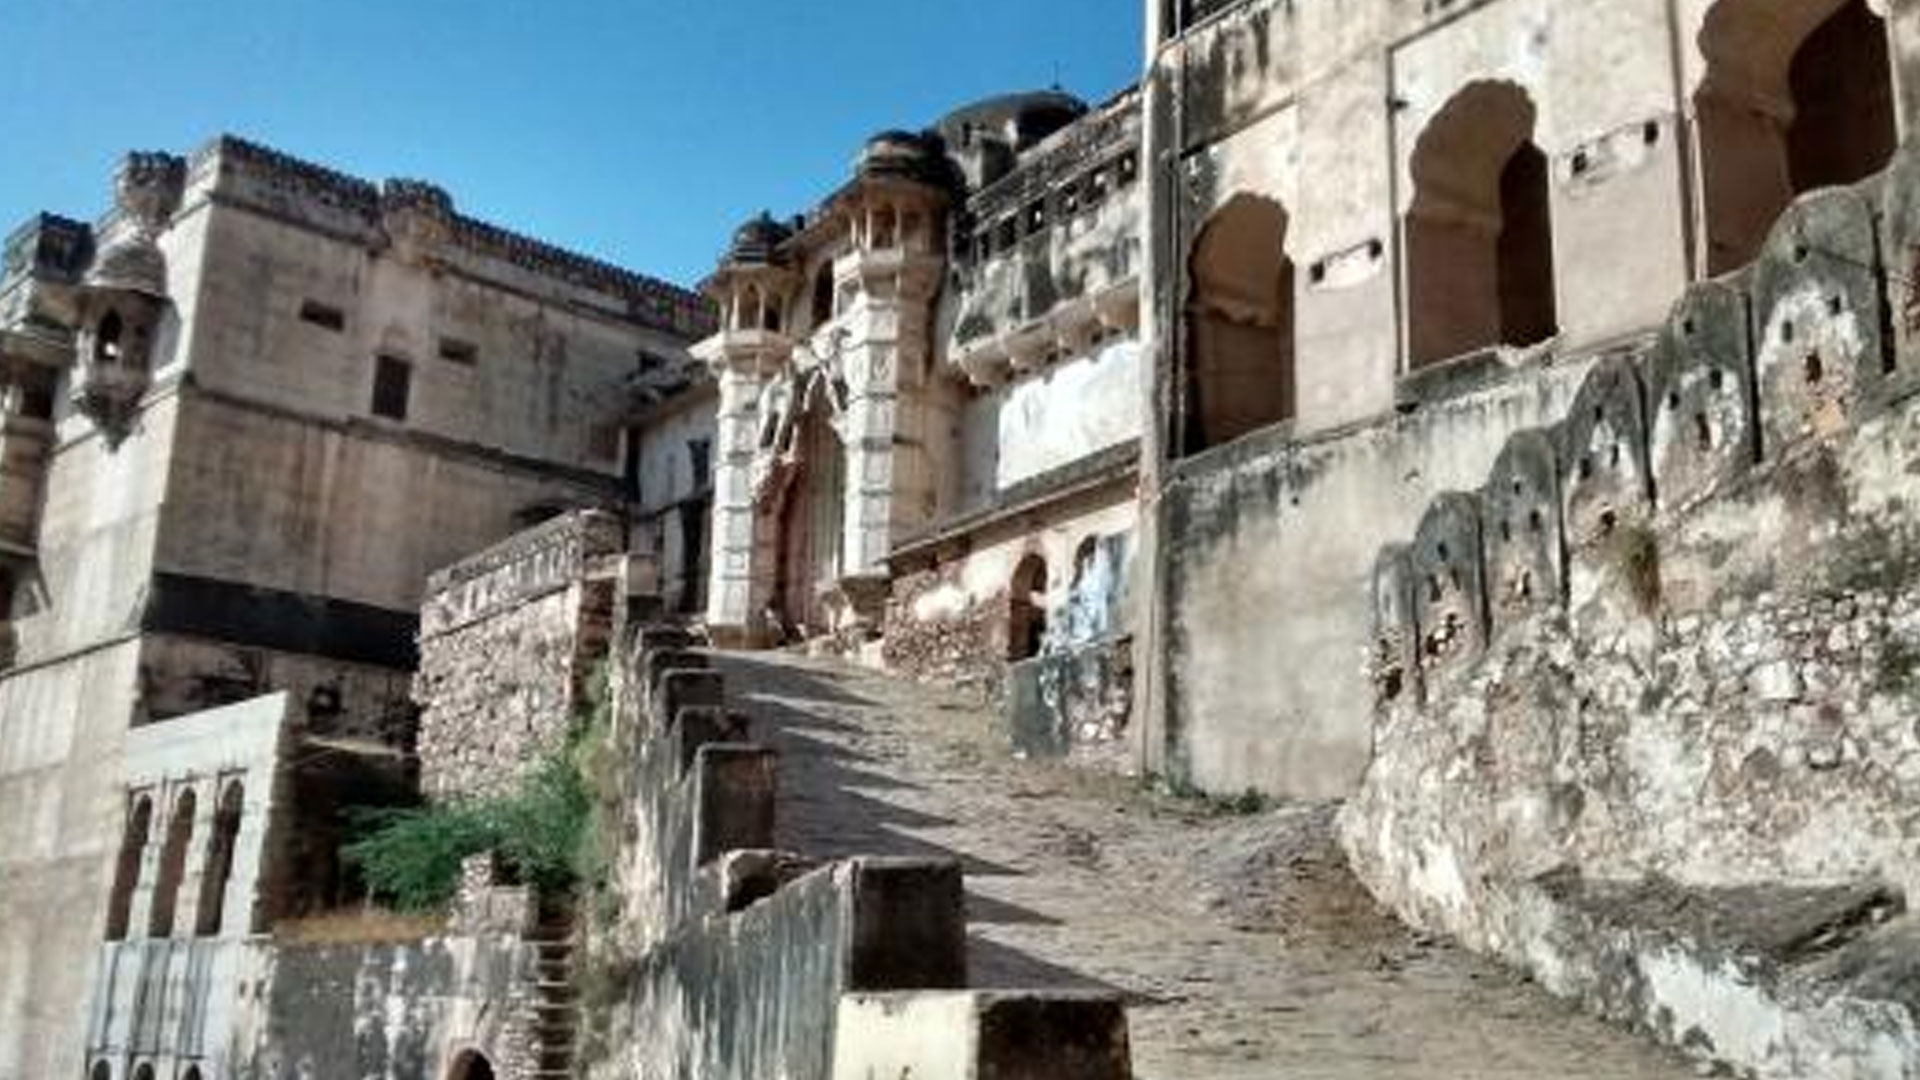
x: 1520, y: 521
x: 1449, y: 586
x: 1701, y: 431
x: 1240, y: 324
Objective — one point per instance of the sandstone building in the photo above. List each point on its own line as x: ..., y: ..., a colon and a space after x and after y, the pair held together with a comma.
x: 1495, y: 412
x: 246, y: 412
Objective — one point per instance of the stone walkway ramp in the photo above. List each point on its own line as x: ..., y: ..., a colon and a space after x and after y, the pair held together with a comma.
x: 1245, y: 948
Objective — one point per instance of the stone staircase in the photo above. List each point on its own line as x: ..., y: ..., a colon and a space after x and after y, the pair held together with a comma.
x: 556, y: 1005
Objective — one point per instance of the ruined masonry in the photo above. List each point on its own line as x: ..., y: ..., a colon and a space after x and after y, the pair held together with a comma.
x: 1643, y: 723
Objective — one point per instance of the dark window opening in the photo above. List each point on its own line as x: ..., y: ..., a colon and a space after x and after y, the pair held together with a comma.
x: 1796, y: 97
x: 36, y: 393
x: 1027, y: 609
x: 1240, y: 325
x: 392, y: 386
x: 324, y: 316
x: 219, y: 868
x: 823, y: 295
x: 456, y: 351
x: 1480, y: 231
x: 126, y: 872
x: 173, y: 867
x: 106, y: 339
x: 700, y: 462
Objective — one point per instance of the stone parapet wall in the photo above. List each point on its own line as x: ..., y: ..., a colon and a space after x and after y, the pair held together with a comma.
x: 724, y: 959
x: 509, y: 642
x: 1644, y: 702
x: 323, y: 198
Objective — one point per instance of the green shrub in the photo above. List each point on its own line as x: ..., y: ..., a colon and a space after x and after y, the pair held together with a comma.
x: 541, y: 830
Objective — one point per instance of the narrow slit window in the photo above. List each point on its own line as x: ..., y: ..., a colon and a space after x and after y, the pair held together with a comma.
x: 455, y: 351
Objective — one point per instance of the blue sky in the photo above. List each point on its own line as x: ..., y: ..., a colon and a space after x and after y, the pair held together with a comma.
x: 641, y: 132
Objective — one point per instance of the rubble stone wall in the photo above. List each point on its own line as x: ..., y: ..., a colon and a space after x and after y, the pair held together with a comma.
x: 509, y: 640
x: 1644, y: 702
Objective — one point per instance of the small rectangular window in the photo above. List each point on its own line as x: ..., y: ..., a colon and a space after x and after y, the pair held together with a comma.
x: 323, y: 315
x: 459, y: 352
x: 392, y: 385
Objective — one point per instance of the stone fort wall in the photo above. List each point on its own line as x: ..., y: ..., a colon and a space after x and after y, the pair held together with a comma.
x: 1644, y: 700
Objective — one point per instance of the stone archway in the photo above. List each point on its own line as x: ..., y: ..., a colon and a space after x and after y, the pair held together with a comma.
x: 1240, y: 329
x: 1479, y: 232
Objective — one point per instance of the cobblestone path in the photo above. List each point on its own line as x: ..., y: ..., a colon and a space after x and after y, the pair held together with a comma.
x: 1243, y: 945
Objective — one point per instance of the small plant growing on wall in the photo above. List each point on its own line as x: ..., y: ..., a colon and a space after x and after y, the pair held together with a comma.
x: 543, y: 829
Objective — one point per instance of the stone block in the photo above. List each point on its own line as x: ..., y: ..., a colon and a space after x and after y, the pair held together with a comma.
x: 1520, y: 516
x: 704, y: 725
x: 1819, y: 350
x: 1450, y: 606
x: 1702, y: 431
x: 734, y: 801
x: 908, y: 925
x: 982, y: 1036
x: 1604, y: 485
x: 1394, y: 660
x: 684, y: 689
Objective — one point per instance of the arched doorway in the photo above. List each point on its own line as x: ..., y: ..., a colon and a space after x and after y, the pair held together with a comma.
x: 1027, y: 608
x: 470, y: 1065
x: 1479, y: 232
x: 1240, y: 339
x: 1798, y: 95
x: 812, y: 515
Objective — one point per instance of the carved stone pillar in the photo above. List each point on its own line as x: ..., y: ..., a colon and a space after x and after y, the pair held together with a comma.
x: 739, y: 572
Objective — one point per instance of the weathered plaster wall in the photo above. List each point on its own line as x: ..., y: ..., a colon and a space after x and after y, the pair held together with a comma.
x: 60, y: 750
x: 1049, y: 420
x: 947, y: 618
x: 1323, y: 109
x: 1271, y: 542
x: 676, y: 455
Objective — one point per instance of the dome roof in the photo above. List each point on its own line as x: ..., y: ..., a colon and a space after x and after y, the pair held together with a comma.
x: 900, y: 153
x: 133, y: 264
x: 757, y: 240
x: 1021, y: 119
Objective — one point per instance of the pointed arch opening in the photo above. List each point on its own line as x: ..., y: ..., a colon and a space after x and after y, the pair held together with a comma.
x: 211, y: 911
x: 173, y: 866
x: 1240, y: 324
x: 1479, y: 231
x: 470, y: 1065
x: 126, y: 869
x: 1798, y: 95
